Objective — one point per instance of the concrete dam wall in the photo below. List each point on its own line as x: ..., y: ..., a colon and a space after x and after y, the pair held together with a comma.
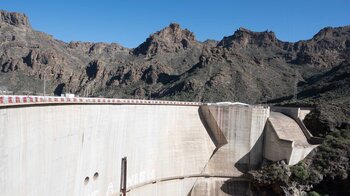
x: 74, y: 146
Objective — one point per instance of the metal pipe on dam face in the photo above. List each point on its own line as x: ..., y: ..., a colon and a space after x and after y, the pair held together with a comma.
x: 75, y: 147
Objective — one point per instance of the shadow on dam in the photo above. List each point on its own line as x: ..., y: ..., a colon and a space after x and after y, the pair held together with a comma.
x: 211, y: 126
x: 234, y: 186
x: 245, y: 164
x: 239, y: 185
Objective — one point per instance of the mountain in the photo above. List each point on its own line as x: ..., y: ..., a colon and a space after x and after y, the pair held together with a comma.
x: 169, y: 40
x: 251, y: 67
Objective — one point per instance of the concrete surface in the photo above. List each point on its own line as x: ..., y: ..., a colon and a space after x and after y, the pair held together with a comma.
x: 243, y: 127
x: 293, y: 112
x: 298, y: 114
x: 221, y: 187
x: 74, y: 146
x: 285, y: 139
x: 50, y: 150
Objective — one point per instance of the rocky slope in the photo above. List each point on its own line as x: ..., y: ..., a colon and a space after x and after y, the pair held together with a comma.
x: 252, y: 67
x: 170, y: 64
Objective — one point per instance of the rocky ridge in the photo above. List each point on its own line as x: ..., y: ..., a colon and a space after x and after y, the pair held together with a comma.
x: 252, y: 67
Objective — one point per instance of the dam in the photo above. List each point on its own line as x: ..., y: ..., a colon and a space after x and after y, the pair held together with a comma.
x: 101, y: 146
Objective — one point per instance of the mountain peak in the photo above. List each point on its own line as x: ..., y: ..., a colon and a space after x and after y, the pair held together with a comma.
x: 244, y: 38
x: 174, y: 34
x: 174, y: 26
x: 14, y: 18
x: 330, y: 32
x: 170, y: 39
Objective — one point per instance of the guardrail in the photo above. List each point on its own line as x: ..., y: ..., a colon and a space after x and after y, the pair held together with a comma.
x: 23, y: 100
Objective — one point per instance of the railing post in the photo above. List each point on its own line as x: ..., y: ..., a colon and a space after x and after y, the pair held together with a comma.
x: 123, y: 176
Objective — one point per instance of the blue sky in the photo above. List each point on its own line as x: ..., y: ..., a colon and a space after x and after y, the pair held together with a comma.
x: 130, y: 22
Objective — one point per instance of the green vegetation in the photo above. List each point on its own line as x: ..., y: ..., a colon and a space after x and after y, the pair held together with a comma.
x: 300, y: 172
x: 332, y: 158
x: 316, y: 174
x: 313, y: 193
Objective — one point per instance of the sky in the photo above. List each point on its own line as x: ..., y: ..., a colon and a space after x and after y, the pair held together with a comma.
x: 130, y: 22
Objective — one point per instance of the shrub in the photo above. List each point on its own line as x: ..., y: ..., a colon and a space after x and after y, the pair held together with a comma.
x: 313, y: 193
x: 300, y: 172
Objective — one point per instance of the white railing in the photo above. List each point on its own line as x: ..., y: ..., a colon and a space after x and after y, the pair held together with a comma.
x: 10, y: 100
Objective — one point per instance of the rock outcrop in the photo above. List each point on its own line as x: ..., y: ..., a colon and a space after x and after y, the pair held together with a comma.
x: 170, y: 39
x: 13, y: 18
x: 244, y: 38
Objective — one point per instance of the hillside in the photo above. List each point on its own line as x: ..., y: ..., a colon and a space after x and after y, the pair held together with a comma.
x: 170, y: 64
